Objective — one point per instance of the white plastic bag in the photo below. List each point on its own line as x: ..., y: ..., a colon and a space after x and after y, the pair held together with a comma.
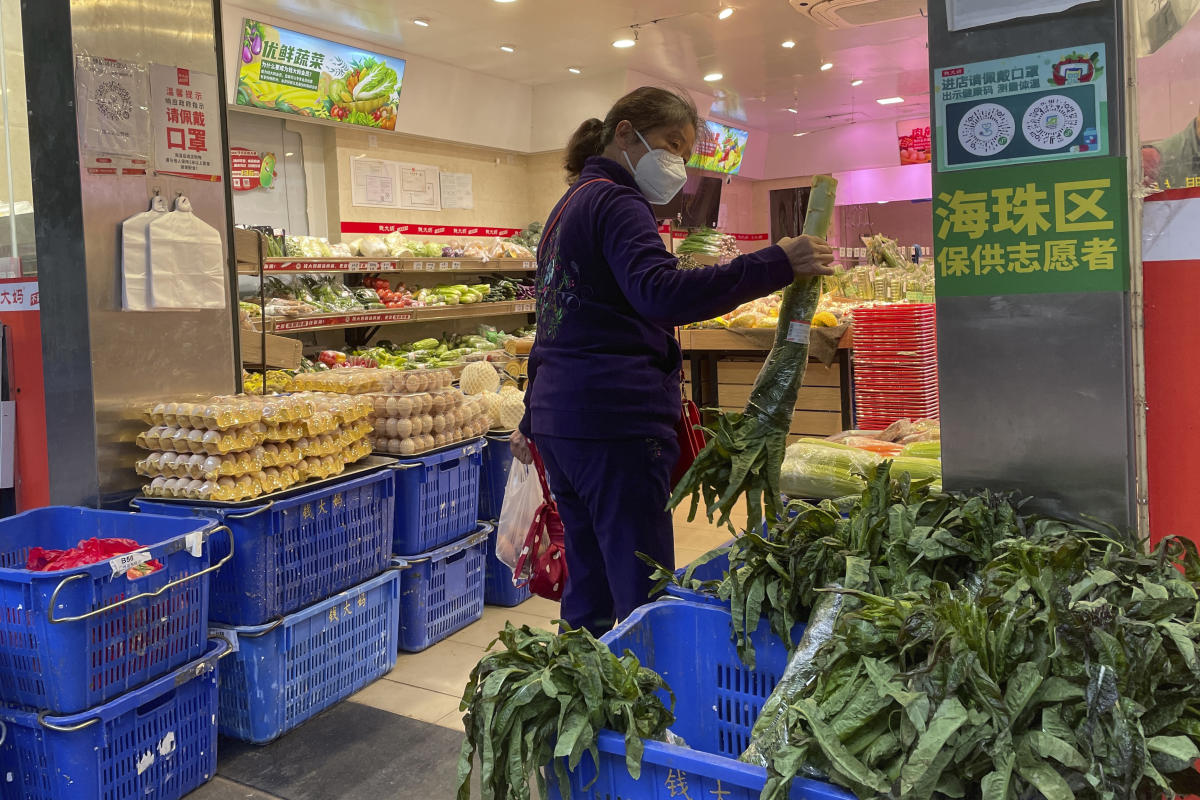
x: 135, y: 260
x: 522, y: 497
x: 187, y: 262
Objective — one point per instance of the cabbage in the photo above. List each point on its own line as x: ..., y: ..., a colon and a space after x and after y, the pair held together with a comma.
x: 376, y: 80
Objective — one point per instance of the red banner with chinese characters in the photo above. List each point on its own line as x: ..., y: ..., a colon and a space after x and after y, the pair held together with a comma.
x: 914, y: 140
x: 428, y: 230
x: 19, y: 311
x: 741, y: 237
x: 185, y: 116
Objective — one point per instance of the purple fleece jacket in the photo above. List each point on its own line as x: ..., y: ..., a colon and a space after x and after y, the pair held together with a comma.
x: 605, y: 363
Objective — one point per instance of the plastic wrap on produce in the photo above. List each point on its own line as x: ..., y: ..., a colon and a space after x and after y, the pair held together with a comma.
x: 770, y: 732
x: 774, y: 396
x: 820, y: 471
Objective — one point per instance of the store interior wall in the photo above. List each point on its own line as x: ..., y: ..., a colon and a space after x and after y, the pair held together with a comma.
x: 284, y: 204
x: 135, y: 354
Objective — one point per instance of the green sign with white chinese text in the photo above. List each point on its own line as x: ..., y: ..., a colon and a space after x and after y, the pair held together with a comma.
x: 1036, y: 229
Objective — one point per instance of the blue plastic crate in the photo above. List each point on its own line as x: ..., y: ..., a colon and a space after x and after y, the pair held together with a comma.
x: 498, y: 589
x: 284, y: 673
x: 437, y: 498
x: 442, y: 591
x: 159, y: 741
x: 497, y: 461
x: 717, y: 702
x: 295, y: 551
x: 72, y: 639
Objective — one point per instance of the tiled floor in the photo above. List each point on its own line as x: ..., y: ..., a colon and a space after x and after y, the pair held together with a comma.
x: 424, y: 689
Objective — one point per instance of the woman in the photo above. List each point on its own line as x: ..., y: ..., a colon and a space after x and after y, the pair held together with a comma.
x: 604, y: 375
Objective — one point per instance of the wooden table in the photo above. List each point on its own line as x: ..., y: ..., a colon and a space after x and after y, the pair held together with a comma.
x: 722, y: 365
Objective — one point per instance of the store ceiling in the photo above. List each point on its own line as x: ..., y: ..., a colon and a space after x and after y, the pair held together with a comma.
x: 761, y: 79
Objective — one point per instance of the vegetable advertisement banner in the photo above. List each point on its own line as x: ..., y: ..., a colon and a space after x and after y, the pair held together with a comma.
x: 1036, y: 229
x: 1038, y: 107
x: 720, y: 148
x: 289, y: 72
x: 185, y: 112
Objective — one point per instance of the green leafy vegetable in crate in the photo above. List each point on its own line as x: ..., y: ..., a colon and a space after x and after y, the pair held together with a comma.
x: 1069, y: 667
x: 745, y: 452
x: 545, y: 698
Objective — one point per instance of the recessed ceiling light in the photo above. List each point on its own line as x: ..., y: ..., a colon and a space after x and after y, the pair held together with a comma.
x: 828, y: 65
x: 288, y: 155
x: 508, y: 48
x: 624, y: 41
x: 889, y: 101
x: 726, y: 13
x: 800, y: 133
x: 713, y: 76
x: 856, y: 82
x: 506, y: 1
x: 574, y: 70
x: 789, y: 44
x: 421, y: 22
x: 791, y: 111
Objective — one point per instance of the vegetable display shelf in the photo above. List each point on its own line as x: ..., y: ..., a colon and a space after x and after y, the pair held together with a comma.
x: 373, y: 265
x: 394, y: 316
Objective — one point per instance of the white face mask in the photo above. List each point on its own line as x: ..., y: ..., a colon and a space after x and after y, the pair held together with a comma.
x: 660, y: 174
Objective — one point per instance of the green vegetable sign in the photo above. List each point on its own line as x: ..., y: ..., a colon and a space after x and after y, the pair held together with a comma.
x: 1056, y: 227
x: 289, y: 72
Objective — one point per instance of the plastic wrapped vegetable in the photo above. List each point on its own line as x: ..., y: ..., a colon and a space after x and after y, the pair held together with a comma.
x: 818, y: 471
x: 372, y: 247
x: 923, y: 449
x: 704, y: 241
x: 745, y: 453
x: 919, y: 469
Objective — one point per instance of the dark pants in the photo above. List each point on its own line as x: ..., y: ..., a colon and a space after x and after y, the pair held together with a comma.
x: 612, y: 497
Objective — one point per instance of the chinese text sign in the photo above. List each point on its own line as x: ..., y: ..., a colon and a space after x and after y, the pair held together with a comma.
x: 187, y: 134
x: 1041, y: 229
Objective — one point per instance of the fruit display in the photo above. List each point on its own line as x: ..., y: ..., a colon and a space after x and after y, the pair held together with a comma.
x: 241, y: 447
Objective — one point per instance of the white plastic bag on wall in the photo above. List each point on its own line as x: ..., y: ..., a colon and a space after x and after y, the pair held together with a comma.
x: 187, y: 262
x: 135, y: 257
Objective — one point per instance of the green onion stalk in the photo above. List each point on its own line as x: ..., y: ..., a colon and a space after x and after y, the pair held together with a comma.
x: 744, y: 455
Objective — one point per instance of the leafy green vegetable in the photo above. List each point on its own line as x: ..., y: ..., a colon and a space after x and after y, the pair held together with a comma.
x: 745, y: 452
x: 1066, y: 666
x: 376, y: 80
x: 545, y: 698
x: 703, y: 241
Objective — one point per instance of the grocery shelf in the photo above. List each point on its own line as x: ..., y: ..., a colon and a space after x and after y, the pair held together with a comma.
x: 294, y: 266
x: 395, y: 316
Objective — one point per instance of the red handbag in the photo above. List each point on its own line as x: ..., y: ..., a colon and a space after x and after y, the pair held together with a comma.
x: 542, y: 565
x: 691, y: 440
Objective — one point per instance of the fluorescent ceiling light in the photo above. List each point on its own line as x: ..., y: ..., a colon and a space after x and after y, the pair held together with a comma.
x: 828, y: 65
x: 726, y: 13
x: 574, y: 70
x: 789, y: 44
x: 625, y: 41
x: 889, y: 101
x: 791, y: 110
x: 421, y: 22
x: 713, y: 76
x: 506, y: 1
x: 856, y: 82
x: 800, y: 133
x: 508, y: 48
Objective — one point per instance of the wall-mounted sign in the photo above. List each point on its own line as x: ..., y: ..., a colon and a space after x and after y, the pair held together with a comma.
x: 289, y: 72
x: 720, y: 148
x: 186, y: 120
x: 250, y: 170
x: 916, y: 146
x: 1034, y: 229
x: 1038, y: 107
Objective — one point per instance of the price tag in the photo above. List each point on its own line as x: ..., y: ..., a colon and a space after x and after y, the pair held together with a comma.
x: 122, y: 564
x: 373, y: 266
x: 457, y: 265
x: 799, y: 331
x: 526, y: 265
x: 862, y: 252
x: 444, y: 266
x: 417, y: 266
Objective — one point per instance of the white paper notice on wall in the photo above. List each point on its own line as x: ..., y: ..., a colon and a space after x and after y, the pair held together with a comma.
x: 457, y: 190
x: 114, y: 106
x: 374, y: 183
x: 420, y: 187
x: 964, y: 14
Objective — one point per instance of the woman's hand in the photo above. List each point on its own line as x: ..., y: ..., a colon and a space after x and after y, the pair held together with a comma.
x: 810, y: 255
x: 520, y: 448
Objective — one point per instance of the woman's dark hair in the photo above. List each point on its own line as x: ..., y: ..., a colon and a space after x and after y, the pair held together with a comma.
x: 646, y: 108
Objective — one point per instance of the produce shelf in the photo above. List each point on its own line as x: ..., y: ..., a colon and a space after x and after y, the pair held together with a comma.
x: 395, y: 316
x: 373, y: 265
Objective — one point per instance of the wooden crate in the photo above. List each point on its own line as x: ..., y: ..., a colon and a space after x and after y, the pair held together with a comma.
x: 282, y: 352
x: 250, y: 247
